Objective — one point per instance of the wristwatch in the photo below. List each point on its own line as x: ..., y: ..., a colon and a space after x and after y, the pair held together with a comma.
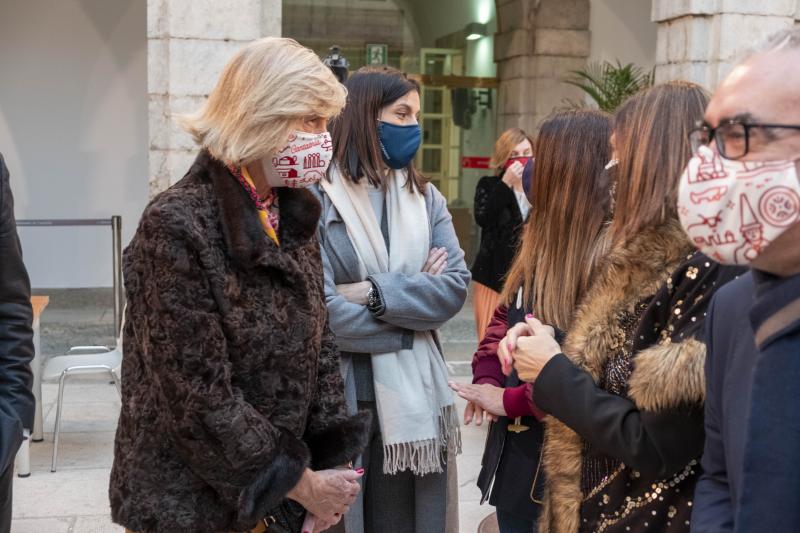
x: 374, y: 301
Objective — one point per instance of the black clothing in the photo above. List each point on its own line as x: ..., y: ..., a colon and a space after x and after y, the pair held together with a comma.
x: 16, y: 334
x: 751, y: 477
x: 510, y: 476
x: 730, y: 363
x: 17, y: 403
x: 771, y: 466
x: 6, y: 486
x: 497, y: 213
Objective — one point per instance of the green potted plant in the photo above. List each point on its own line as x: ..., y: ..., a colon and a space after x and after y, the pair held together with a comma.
x: 610, y: 84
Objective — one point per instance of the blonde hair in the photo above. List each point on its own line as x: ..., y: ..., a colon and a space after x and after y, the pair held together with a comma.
x: 264, y: 91
x: 505, y: 145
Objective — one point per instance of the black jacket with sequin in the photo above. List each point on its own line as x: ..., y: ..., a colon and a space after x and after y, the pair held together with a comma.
x: 626, y: 397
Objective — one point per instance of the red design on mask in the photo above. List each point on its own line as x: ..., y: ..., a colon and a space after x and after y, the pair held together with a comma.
x: 313, y: 160
x: 714, y: 194
x: 780, y: 206
x: 312, y: 176
x: 711, y: 168
x: 753, y: 232
x: 715, y: 239
x: 711, y: 222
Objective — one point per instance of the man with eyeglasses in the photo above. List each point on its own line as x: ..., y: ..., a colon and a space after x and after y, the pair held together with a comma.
x: 739, y: 202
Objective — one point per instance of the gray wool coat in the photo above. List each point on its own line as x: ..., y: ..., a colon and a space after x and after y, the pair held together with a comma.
x: 422, y: 302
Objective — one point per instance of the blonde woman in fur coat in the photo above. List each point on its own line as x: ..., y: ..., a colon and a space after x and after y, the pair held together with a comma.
x: 625, y: 392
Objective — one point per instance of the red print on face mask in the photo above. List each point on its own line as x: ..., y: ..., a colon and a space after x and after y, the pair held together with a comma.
x: 521, y: 160
x: 733, y: 210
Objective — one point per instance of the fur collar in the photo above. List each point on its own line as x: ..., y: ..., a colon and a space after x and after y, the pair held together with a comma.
x: 241, y: 228
x: 664, y: 375
x: 630, y: 274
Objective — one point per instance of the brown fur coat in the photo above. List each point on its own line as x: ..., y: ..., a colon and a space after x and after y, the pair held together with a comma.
x: 667, y: 362
x: 231, y: 383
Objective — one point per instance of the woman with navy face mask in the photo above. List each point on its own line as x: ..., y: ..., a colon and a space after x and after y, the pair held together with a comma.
x: 394, y: 273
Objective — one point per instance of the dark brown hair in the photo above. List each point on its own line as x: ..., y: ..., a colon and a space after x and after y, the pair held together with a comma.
x: 651, y: 134
x: 561, y: 243
x: 356, y: 146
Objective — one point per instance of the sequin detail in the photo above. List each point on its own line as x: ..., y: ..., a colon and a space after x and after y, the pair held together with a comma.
x: 598, y: 469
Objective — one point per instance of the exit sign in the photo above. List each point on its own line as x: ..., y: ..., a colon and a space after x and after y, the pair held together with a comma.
x: 377, y: 54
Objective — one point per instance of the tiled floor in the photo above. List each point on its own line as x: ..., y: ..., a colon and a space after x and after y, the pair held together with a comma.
x: 75, y: 498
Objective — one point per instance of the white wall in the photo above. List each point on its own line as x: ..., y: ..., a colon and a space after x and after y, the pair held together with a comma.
x: 621, y: 29
x: 73, y: 128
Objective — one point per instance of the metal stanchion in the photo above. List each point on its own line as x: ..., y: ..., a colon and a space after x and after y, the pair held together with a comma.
x: 116, y: 242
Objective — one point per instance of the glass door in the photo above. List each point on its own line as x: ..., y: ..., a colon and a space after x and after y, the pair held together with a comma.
x: 439, y: 155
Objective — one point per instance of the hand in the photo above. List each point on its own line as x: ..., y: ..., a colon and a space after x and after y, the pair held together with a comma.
x: 513, y: 175
x: 437, y: 261
x: 508, y: 344
x: 327, y: 494
x: 355, y: 293
x: 482, y: 400
x: 312, y: 524
x: 535, y: 351
x: 476, y: 413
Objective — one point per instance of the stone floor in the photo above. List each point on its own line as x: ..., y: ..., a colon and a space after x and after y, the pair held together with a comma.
x: 75, y: 498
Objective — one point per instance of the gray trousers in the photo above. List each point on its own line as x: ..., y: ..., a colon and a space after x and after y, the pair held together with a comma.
x: 399, y: 503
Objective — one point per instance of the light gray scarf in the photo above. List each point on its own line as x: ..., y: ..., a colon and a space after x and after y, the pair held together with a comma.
x: 416, y: 409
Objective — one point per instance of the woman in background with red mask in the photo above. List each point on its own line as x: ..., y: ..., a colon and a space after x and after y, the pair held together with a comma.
x: 501, y: 207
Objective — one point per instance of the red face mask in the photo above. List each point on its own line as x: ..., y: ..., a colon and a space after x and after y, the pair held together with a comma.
x: 523, y: 160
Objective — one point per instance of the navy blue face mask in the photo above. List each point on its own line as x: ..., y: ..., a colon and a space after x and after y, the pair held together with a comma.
x: 399, y: 144
x: 527, y: 177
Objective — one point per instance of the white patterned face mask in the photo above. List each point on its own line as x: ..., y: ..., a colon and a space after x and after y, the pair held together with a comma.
x: 732, y: 210
x: 302, y: 163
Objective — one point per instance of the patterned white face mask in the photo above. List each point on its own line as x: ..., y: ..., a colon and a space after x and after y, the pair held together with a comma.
x: 302, y: 163
x: 732, y: 210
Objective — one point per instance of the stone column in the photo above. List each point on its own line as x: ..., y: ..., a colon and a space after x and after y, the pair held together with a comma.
x: 189, y: 41
x: 537, y: 44
x: 700, y: 40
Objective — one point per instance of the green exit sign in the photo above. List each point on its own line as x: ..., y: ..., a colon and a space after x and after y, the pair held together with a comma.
x: 377, y: 54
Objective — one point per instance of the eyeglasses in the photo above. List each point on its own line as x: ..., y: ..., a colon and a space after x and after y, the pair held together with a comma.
x: 734, y: 137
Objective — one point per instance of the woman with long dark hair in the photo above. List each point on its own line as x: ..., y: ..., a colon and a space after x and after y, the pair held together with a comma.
x: 561, y: 245
x: 625, y: 393
x: 394, y: 273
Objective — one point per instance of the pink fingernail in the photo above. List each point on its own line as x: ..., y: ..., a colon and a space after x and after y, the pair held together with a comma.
x: 529, y: 315
x: 359, y: 470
